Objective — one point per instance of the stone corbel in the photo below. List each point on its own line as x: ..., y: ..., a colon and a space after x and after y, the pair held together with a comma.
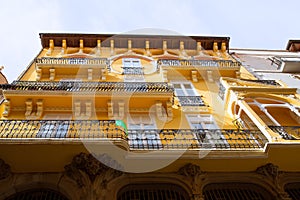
x: 38, y: 73
x: 52, y: 74
x: 164, y: 75
x: 6, y: 111
x: 210, y: 76
x: 110, y: 109
x: 90, y: 74
x: 147, y: 47
x: 194, y: 76
x: 28, y: 104
x: 64, y: 47
x: 112, y: 47
x: 77, y: 107
x: 103, y: 74
x: 121, y: 109
x: 98, y: 52
x: 88, y: 109
x: 81, y: 46
x: 39, y: 108
x: 51, y: 47
x: 169, y: 110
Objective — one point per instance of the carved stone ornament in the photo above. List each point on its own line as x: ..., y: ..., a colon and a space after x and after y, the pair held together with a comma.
x: 85, y: 168
x: 269, y: 170
x: 190, y: 170
x: 4, y: 170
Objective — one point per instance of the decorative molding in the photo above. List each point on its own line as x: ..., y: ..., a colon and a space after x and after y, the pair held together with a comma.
x: 4, y: 170
x: 269, y: 170
x: 85, y: 169
x: 190, y: 170
x: 193, y: 173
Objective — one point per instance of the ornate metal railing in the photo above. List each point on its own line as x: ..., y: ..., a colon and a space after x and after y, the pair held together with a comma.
x: 72, y: 61
x: 266, y: 82
x: 61, y: 129
x: 198, y: 63
x: 287, y: 132
x: 196, y: 139
x: 75, y: 86
x: 190, y: 101
x: 137, y: 139
x: 133, y: 70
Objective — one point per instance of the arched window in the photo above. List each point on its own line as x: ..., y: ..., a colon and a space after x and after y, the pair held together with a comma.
x: 38, y: 194
x: 293, y: 189
x: 152, y: 192
x: 235, y: 191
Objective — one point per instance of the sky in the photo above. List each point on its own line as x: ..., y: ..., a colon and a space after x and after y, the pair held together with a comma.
x: 255, y: 24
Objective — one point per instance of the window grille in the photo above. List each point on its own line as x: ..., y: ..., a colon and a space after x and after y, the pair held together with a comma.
x: 235, y: 191
x: 152, y: 192
x: 37, y: 194
x: 293, y: 189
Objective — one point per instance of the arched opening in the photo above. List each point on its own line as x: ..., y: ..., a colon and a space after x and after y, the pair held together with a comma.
x: 235, y: 191
x: 293, y: 189
x: 153, y: 191
x: 38, y: 194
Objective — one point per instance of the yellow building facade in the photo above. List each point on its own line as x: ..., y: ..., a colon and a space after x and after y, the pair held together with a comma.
x: 100, y: 116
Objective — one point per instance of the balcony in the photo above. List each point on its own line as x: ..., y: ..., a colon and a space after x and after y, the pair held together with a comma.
x: 225, y: 139
x: 287, y: 132
x: 265, y: 82
x: 71, y: 61
x: 61, y: 129
x: 180, y: 139
x: 190, y: 101
x: 198, y: 63
x: 74, y: 86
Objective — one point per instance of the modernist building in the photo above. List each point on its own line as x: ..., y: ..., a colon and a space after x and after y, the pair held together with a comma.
x: 151, y: 117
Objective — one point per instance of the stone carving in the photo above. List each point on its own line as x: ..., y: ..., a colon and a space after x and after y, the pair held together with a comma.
x: 190, y: 170
x: 194, y: 174
x: 85, y: 169
x: 269, y: 170
x: 4, y: 170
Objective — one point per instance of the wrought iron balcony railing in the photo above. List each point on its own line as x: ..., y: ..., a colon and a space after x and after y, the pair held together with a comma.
x: 61, y: 129
x: 198, y: 63
x: 72, y: 61
x: 137, y: 139
x: 266, y: 82
x: 190, y: 101
x: 74, y: 86
x: 196, y: 139
x: 287, y: 132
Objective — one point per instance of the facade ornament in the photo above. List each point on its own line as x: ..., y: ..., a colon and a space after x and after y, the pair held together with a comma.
x: 194, y: 174
x: 269, y: 170
x: 4, y: 170
x: 85, y: 169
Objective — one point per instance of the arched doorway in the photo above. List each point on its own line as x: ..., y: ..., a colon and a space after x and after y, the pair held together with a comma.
x: 38, y: 194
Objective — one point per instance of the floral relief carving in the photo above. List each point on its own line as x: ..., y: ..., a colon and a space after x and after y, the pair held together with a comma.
x: 195, y: 176
x: 85, y: 169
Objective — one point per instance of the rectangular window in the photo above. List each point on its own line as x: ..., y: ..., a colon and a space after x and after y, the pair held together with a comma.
x: 132, y: 70
x: 201, y: 121
x: 187, y: 95
x: 142, y: 132
x: 184, y: 89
